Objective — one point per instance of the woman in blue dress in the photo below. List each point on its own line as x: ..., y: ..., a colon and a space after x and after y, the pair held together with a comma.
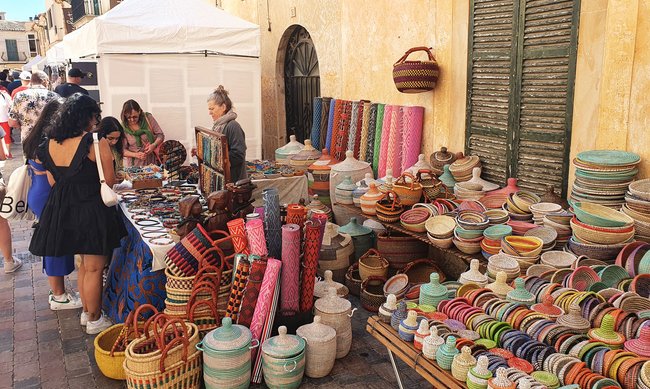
x: 55, y: 267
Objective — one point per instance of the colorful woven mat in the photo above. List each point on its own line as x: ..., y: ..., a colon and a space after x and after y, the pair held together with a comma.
x: 256, y: 237
x: 354, y: 126
x: 265, y: 299
x: 266, y: 333
x: 312, y: 253
x: 237, y: 289
x: 290, y: 268
x: 363, y: 139
x: 373, y: 127
x: 272, y: 222
x: 385, y: 135
x: 324, y: 120
x: 315, y: 122
x: 412, y: 120
x: 238, y: 232
x: 251, y: 293
x: 332, y: 127
x: 364, y: 106
x: 394, y: 153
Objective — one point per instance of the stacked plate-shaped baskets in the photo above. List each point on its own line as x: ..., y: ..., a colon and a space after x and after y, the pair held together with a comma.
x: 462, y: 168
x: 637, y: 206
x: 603, y: 176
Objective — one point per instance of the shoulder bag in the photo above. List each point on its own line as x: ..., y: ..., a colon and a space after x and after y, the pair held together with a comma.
x: 108, y: 196
x: 14, y: 204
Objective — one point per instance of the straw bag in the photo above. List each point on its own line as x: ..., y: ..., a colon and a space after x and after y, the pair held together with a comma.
x: 418, y: 271
x: 416, y: 76
x: 206, y: 319
x: 389, y: 208
x: 372, y: 264
x: 372, y: 293
x: 183, y: 259
x: 111, y: 343
x: 400, y: 249
x: 409, y: 193
x: 353, y: 279
x: 431, y: 186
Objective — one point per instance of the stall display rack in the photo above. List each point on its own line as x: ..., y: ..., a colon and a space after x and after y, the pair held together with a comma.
x: 214, y: 164
x: 429, y: 370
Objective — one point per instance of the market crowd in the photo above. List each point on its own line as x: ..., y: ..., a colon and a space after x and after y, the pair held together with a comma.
x: 63, y: 138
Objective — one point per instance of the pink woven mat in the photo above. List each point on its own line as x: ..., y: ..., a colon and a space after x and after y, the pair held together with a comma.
x: 412, y: 119
x: 256, y: 239
x: 394, y: 155
x: 383, y: 147
x: 290, y: 291
x: 265, y: 299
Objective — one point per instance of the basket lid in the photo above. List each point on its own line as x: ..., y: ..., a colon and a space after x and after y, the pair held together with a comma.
x: 283, y: 345
x: 350, y: 164
x: 353, y: 228
x: 321, y: 286
x: 474, y: 274
x: 316, y: 331
x: 308, y: 153
x: 434, y: 288
x: 331, y: 303
x: 227, y: 337
x: 291, y: 148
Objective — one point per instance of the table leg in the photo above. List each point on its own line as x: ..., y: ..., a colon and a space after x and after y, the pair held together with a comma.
x: 392, y: 361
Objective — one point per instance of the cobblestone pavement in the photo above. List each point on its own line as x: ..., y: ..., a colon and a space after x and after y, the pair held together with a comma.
x: 40, y: 348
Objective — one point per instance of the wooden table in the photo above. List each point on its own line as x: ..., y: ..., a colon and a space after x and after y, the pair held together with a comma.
x: 405, y: 351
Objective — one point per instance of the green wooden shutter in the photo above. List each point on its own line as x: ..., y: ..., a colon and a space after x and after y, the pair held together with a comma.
x: 546, y: 68
x: 521, y: 67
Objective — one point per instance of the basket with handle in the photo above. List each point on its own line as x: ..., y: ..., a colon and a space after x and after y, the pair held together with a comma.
x: 206, y: 319
x: 409, y: 193
x: 431, y: 186
x: 389, y: 208
x: 418, y: 271
x: 353, y: 279
x: 416, y: 76
x: 372, y: 293
x: 372, y: 264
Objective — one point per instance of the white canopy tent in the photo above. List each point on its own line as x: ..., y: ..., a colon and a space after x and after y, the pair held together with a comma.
x: 55, y: 55
x: 168, y: 56
x: 36, y: 63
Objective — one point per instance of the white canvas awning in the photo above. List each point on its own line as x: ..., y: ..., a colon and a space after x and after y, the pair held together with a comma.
x: 55, y: 55
x: 37, y: 62
x: 164, y: 26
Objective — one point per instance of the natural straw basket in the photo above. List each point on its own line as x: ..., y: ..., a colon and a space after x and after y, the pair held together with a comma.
x: 320, y: 347
x: 353, y: 279
x: 372, y: 293
x: 372, y: 264
x: 431, y: 186
x: 409, y: 193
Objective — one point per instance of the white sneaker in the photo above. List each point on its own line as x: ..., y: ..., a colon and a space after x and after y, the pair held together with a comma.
x: 97, y: 326
x: 13, y: 266
x: 67, y: 301
x: 83, y: 320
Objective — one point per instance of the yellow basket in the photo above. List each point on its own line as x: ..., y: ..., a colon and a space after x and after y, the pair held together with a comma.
x: 109, y: 365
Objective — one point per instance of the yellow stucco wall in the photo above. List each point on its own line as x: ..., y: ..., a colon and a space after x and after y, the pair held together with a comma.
x: 358, y: 41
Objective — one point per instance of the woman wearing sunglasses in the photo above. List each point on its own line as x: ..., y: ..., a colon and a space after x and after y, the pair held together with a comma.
x: 143, y: 135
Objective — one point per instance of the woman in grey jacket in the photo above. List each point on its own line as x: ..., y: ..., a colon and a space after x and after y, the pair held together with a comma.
x: 220, y: 109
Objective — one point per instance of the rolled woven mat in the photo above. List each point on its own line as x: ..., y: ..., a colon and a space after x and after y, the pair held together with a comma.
x: 383, y: 141
x: 354, y: 126
x: 324, y: 120
x: 260, y: 211
x: 341, y: 135
x: 256, y: 376
x: 333, y: 124
x: 290, y: 268
x: 362, y: 112
x: 310, y: 265
x: 238, y: 232
x: 394, y: 153
x: 237, y: 289
x: 251, y: 292
x: 315, y: 122
x: 374, y: 125
x: 256, y: 237
x: 412, y: 119
x: 265, y: 299
x: 272, y: 222
x: 322, y: 219
x: 363, y: 138
x: 296, y: 214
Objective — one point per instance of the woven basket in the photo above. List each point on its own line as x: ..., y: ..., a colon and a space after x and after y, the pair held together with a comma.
x: 372, y: 293
x: 418, y: 271
x: 400, y: 249
x: 416, y: 76
x: 389, y: 208
x: 353, y: 279
x: 408, y: 193
x: 372, y: 263
x: 431, y: 186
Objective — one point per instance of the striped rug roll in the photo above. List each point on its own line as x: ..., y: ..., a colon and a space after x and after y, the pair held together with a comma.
x: 315, y: 122
x: 354, y: 128
x: 357, y: 139
x: 256, y: 363
x: 237, y: 288
x: 251, y: 292
x: 383, y: 145
x: 324, y: 120
x: 290, y: 291
x: 412, y: 120
x: 379, y: 126
x: 265, y: 299
x: 335, y: 116
x: 312, y: 253
x: 376, y: 116
x: 363, y: 139
x: 394, y: 155
x: 256, y: 237
x: 237, y: 230
x: 340, y: 136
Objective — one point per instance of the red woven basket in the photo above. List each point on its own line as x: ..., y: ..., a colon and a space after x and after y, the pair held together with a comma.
x: 416, y: 76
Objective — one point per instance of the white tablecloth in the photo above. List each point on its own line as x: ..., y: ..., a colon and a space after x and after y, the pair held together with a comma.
x: 290, y: 189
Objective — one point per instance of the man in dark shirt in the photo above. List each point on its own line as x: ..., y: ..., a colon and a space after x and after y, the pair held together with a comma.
x: 15, y: 83
x: 72, y: 86
x: 3, y: 80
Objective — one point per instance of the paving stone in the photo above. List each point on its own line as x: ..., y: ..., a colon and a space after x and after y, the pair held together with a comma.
x: 81, y: 382
x: 26, y: 370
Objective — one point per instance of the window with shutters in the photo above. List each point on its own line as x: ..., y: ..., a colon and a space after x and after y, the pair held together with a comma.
x: 12, y: 50
x: 521, y: 71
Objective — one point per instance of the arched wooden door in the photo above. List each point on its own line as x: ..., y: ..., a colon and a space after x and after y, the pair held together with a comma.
x: 301, y: 83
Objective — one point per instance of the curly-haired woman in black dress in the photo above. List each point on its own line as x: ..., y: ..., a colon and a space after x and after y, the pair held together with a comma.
x: 75, y: 219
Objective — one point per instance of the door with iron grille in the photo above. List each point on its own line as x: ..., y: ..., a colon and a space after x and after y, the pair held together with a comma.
x: 301, y: 83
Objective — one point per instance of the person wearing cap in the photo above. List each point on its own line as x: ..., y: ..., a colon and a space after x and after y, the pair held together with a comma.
x: 25, y: 79
x: 15, y: 83
x: 72, y: 86
x: 28, y: 104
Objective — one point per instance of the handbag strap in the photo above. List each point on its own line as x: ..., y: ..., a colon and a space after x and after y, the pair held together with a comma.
x: 98, y: 159
x: 414, y: 49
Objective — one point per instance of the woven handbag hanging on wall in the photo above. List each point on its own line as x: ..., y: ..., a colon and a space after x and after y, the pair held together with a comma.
x: 416, y: 76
